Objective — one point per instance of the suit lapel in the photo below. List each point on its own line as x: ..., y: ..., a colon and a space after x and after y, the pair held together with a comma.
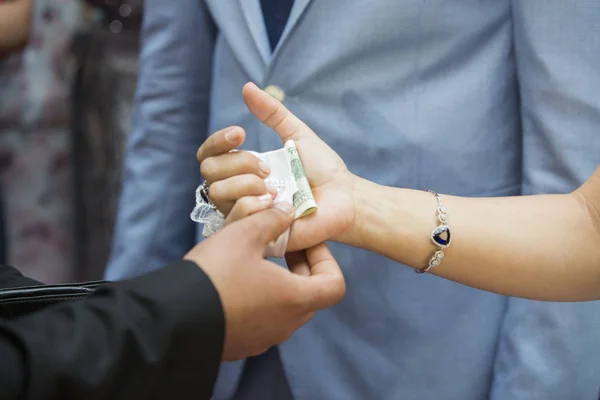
x: 243, y: 26
x: 296, y: 13
x: 240, y: 27
x: 255, y: 23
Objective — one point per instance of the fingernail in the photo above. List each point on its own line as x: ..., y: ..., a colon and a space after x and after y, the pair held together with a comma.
x: 264, y: 167
x: 266, y: 197
x: 286, y: 208
x: 232, y: 134
x: 272, y: 189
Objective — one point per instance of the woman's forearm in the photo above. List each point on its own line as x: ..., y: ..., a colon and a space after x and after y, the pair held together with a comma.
x: 544, y: 247
x: 15, y: 24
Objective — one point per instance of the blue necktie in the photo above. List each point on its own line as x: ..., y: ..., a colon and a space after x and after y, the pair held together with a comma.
x: 275, y: 13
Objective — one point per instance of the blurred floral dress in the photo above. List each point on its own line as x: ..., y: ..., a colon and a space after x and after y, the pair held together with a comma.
x: 35, y: 166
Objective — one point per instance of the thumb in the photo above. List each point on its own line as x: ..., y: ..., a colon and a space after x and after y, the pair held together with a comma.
x: 274, y: 114
x: 266, y: 226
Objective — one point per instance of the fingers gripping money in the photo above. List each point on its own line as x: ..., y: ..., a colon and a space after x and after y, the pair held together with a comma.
x: 287, y: 176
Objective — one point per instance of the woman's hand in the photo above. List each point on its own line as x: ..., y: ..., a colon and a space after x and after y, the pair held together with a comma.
x: 237, y: 184
x: 235, y: 178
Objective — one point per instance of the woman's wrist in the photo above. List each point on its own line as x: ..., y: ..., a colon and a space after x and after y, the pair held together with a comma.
x: 364, y: 193
x: 370, y: 209
x: 393, y: 222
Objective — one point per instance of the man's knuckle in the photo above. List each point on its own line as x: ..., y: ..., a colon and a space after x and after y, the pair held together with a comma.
x: 263, y: 348
x: 254, y: 225
x: 285, y: 336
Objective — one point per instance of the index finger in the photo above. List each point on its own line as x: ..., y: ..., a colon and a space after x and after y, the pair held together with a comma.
x: 325, y: 287
x: 266, y: 226
x: 221, y: 142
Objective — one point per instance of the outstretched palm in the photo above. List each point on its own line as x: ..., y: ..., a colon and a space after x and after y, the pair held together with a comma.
x: 331, y: 182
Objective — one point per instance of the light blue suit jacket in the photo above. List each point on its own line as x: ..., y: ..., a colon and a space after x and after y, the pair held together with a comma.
x: 467, y: 97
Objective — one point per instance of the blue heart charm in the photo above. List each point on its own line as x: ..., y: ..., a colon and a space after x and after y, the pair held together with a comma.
x: 441, y: 236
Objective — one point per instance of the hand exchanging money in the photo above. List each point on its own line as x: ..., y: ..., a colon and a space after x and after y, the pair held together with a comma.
x: 236, y: 179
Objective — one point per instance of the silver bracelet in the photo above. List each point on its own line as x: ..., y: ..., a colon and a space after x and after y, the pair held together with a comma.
x: 205, y: 212
x: 440, y: 236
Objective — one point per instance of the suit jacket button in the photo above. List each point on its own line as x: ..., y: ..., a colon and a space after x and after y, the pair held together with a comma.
x: 276, y: 92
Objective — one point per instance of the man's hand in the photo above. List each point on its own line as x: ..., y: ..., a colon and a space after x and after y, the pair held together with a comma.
x: 236, y: 179
x: 264, y: 303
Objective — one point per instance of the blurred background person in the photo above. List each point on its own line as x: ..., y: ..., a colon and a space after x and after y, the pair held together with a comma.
x: 35, y: 142
x: 106, y: 50
x: 15, y: 28
x: 15, y: 25
x: 68, y: 70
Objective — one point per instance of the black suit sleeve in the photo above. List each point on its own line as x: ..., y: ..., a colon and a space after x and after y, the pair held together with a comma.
x: 159, y: 336
x: 11, y: 278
